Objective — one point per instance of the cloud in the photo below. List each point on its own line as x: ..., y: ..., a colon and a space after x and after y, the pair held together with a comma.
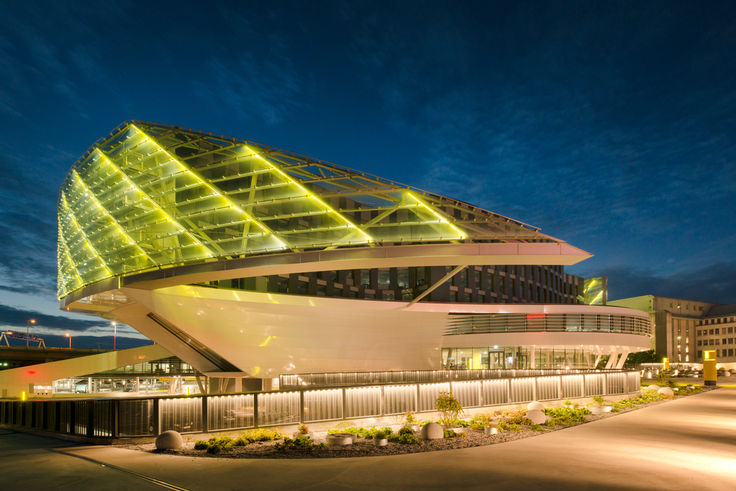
x: 13, y: 317
x: 714, y: 283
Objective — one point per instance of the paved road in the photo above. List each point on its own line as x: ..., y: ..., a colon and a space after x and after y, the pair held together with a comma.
x: 687, y: 444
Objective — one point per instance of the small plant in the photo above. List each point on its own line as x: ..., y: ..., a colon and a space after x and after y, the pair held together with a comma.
x: 565, y: 416
x: 453, y: 434
x: 405, y: 430
x: 380, y: 435
x: 409, y: 418
x: 480, y: 421
x: 514, y: 427
x: 215, y: 445
x: 448, y: 406
x: 300, y: 443
x: 258, y: 435
x: 408, y: 439
x: 536, y: 428
x: 302, y: 429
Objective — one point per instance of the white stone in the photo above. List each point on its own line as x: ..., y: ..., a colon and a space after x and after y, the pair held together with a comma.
x: 537, y: 417
x: 339, y: 440
x: 381, y: 442
x: 432, y: 431
x: 651, y: 387
x: 169, y: 440
x: 490, y: 430
x: 666, y: 391
x: 535, y: 405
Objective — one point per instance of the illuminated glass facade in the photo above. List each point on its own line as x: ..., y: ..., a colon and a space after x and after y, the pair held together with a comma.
x: 151, y: 196
x: 516, y: 357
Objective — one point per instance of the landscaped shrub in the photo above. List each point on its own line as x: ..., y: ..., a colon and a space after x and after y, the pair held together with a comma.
x: 405, y: 430
x: 448, y: 406
x: 200, y: 445
x: 480, y: 421
x: 408, y: 439
x: 514, y: 416
x: 368, y: 433
x: 258, y: 435
x: 566, y: 416
x: 453, y: 434
x: 301, y: 443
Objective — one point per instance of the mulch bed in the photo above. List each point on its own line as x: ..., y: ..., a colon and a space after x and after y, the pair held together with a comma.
x: 366, y: 448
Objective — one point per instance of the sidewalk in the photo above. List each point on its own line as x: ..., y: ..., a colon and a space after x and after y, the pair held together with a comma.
x: 684, y: 444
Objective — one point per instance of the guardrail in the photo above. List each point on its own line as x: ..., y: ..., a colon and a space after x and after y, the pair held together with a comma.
x: 341, y: 379
x: 104, y: 419
x: 459, y: 324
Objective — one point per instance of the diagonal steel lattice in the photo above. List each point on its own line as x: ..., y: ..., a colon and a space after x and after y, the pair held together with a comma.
x: 151, y: 195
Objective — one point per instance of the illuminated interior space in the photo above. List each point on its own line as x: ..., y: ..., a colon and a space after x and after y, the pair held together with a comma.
x: 246, y: 260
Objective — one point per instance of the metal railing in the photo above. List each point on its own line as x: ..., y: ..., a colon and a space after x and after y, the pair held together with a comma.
x: 343, y: 379
x: 103, y: 419
x: 459, y: 324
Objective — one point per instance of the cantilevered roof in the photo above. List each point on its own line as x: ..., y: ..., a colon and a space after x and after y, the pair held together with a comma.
x: 150, y: 196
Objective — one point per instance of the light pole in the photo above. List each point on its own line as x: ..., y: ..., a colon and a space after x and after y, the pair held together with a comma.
x: 28, y: 331
x: 114, y: 335
x: 67, y: 335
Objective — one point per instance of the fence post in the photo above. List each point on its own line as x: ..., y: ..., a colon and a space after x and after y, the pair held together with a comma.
x: 156, y: 423
x: 91, y: 418
x: 205, y: 415
x: 301, y: 406
x: 508, y: 391
x: 383, y: 400
x: 343, y: 403
x: 72, y: 417
x: 116, y: 418
x: 582, y: 386
x: 418, y: 398
x: 559, y: 387
x: 535, y: 388
x: 480, y: 394
x: 255, y: 410
x: 605, y: 383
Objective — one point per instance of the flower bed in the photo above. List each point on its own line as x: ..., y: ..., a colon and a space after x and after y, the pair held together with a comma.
x: 507, y: 425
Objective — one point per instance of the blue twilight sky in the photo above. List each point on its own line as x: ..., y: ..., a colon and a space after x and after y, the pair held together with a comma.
x: 611, y: 125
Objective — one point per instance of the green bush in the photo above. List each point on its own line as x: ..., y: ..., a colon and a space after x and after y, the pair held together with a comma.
x: 405, y: 430
x: 566, y: 416
x: 536, y: 428
x: 448, y: 406
x: 258, y: 435
x: 368, y: 433
x: 200, y: 445
x: 409, y: 418
x: 453, y: 434
x: 514, y: 416
x: 408, y: 438
x: 514, y: 427
x: 480, y: 421
x: 300, y: 443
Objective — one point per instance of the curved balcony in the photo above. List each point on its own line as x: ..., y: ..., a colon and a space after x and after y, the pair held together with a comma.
x: 462, y: 324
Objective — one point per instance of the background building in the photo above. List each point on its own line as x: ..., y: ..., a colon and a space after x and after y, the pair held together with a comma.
x: 683, y: 328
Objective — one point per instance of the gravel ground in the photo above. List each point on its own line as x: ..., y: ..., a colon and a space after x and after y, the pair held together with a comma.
x: 365, y: 448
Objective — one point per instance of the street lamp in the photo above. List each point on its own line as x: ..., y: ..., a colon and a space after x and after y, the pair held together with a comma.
x: 115, y: 335
x: 67, y: 335
x: 28, y: 330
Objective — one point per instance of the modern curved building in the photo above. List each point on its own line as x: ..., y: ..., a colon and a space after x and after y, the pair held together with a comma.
x: 246, y: 259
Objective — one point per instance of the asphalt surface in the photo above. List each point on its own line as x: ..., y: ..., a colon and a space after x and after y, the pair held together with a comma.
x: 685, y: 444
